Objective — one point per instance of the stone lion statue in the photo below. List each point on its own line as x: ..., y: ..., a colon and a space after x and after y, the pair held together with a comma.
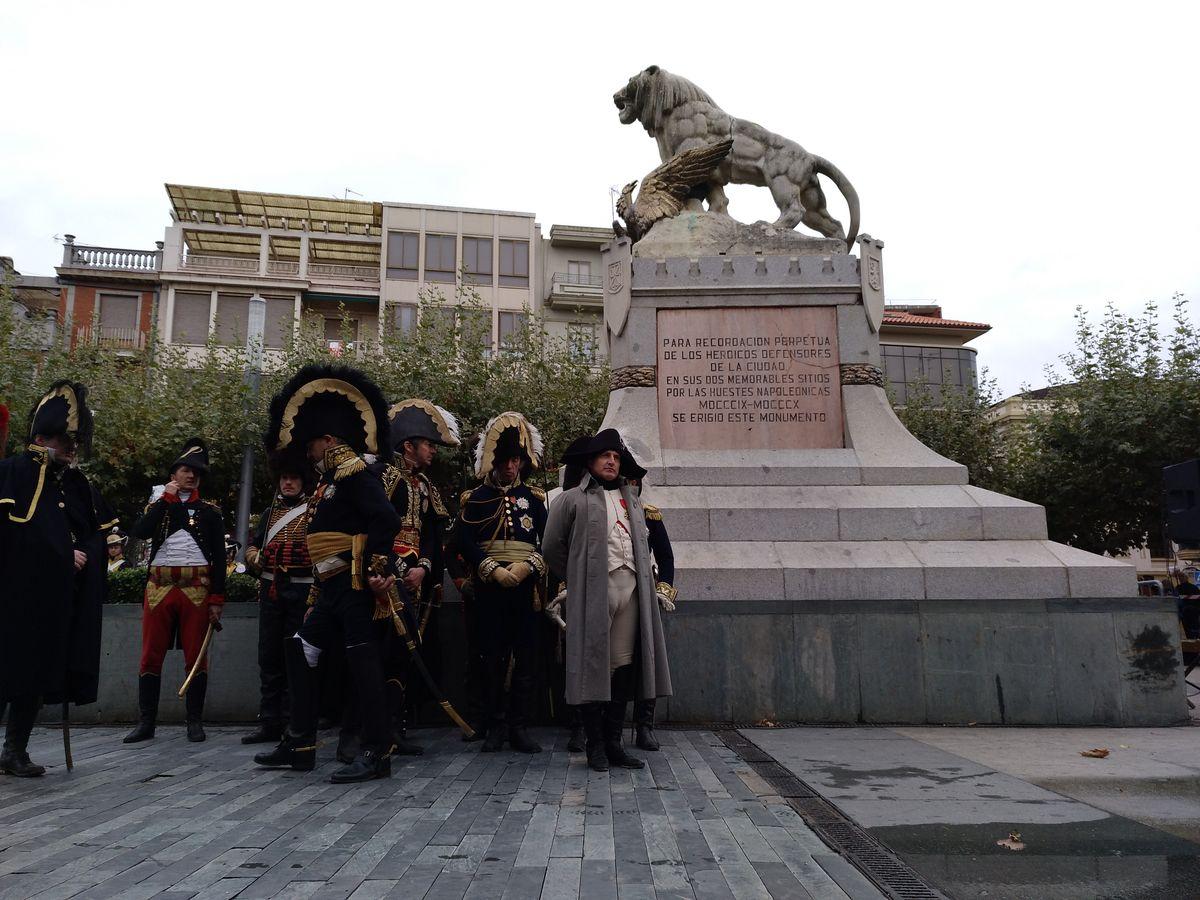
x: 680, y: 116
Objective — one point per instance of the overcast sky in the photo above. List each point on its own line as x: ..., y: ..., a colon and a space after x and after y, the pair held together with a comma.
x: 1017, y: 159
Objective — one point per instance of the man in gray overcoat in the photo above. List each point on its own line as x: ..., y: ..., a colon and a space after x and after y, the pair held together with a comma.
x: 596, y: 541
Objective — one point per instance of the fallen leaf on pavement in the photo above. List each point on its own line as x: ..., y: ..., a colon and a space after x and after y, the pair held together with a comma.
x: 1096, y: 753
x: 766, y: 723
x: 1012, y: 842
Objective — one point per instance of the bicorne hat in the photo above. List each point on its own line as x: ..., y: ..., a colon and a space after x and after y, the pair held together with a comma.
x: 328, y: 399
x: 573, y: 467
x: 63, y: 410
x: 421, y: 419
x: 507, y: 435
x: 581, y: 451
x: 194, y: 456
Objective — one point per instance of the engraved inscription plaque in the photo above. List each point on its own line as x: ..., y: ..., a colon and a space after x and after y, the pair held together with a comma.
x: 749, y: 378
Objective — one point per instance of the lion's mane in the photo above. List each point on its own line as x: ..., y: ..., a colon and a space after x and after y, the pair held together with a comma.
x: 656, y: 92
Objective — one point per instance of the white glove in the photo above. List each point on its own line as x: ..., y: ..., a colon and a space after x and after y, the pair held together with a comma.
x: 554, y: 608
x: 665, y: 603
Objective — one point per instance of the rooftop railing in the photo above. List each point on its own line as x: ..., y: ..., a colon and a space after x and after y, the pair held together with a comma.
x: 110, y: 259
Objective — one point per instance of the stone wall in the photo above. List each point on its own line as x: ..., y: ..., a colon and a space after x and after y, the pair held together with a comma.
x: 1112, y: 661
x: 1071, y: 661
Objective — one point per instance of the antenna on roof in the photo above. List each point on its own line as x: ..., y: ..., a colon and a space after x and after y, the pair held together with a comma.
x: 346, y: 192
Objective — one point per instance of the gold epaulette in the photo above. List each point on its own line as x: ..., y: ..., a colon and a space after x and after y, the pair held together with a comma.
x: 390, y: 477
x: 465, y: 496
x: 653, y: 513
x: 350, y: 467
x: 435, y: 498
x: 538, y: 492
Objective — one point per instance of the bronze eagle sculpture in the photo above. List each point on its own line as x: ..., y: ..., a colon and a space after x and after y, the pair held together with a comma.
x: 666, y: 189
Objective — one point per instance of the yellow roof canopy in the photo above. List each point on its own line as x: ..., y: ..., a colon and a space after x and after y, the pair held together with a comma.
x: 317, y: 215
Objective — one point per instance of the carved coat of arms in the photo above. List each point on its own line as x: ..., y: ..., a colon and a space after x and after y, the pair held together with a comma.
x: 617, y: 259
x: 616, y: 278
x: 871, y: 273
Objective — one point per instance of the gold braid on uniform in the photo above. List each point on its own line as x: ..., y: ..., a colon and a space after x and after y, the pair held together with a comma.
x: 343, y: 462
x: 391, y: 477
x: 653, y: 513
x: 435, y: 498
x: 537, y: 563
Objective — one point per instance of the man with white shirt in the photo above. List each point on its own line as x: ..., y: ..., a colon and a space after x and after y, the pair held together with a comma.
x: 185, y: 585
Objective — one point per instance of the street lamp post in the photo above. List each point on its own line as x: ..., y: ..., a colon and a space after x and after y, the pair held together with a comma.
x: 255, y: 331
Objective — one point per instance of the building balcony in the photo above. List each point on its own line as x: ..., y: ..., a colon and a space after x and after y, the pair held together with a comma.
x: 110, y: 337
x: 570, y: 291
x: 122, y: 262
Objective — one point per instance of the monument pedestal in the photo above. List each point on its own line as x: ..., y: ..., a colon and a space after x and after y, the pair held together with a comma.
x: 831, y: 568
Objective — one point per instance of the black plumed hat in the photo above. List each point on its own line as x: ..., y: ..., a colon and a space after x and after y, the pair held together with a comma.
x: 63, y: 410
x: 421, y: 419
x: 328, y: 399
x: 505, y: 436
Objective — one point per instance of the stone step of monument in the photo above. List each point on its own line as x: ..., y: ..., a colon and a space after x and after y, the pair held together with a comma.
x: 933, y: 512
x: 745, y: 571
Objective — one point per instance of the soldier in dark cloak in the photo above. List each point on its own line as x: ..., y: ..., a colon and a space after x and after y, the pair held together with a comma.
x: 52, y: 571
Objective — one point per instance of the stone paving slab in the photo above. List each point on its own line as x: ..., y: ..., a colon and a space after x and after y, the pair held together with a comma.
x: 173, y: 819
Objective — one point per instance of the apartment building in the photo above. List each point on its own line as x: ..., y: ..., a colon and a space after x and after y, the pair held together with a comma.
x: 350, y: 266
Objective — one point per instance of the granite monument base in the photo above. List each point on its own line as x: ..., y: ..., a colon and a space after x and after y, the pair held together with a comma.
x: 830, y: 567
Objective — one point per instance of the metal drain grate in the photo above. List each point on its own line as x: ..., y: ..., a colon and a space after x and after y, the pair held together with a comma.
x: 886, y: 870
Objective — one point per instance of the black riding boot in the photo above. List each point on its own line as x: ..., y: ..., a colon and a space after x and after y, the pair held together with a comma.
x: 643, y: 718
x: 194, y: 699
x: 497, y: 723
x: 398, y: 719
x: 298, y: 747
x: 621, y: 687
x: 366, y: 675
x: 575, y: 743
x: 14, y: 760
x: 348, y: 743
x: 522, y: 705
x: 593, y: 726
x: 148, y: 688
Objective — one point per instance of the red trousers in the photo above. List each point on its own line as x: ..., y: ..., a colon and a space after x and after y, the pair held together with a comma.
x: 168, y: 606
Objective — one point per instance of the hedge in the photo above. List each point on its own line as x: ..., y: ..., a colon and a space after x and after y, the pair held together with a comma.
x: 128, y: 586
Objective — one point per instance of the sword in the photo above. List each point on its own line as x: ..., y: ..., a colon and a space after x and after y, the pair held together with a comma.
x: 396, y: 604
x: 187, y: 682
x: 66, y: 730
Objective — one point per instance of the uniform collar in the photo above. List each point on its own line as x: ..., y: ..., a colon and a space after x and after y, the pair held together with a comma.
x: 491, y: 480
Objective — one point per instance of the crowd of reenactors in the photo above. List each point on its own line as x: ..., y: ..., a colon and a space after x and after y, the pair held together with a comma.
x: 351, y: 556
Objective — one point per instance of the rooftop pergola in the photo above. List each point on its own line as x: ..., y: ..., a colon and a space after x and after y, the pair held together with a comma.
x: 322, y: 218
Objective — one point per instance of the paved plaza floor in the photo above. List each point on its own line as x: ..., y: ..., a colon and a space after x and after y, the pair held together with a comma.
x: 173, y: 819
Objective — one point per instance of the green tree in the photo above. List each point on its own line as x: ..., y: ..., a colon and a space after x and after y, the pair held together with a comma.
x: 147, y: 402
x: 956, y: 424
x: 1126, y: 403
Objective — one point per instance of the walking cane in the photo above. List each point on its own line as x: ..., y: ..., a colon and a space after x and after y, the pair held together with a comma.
x: 187, y: 682
x: 66, y: 730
